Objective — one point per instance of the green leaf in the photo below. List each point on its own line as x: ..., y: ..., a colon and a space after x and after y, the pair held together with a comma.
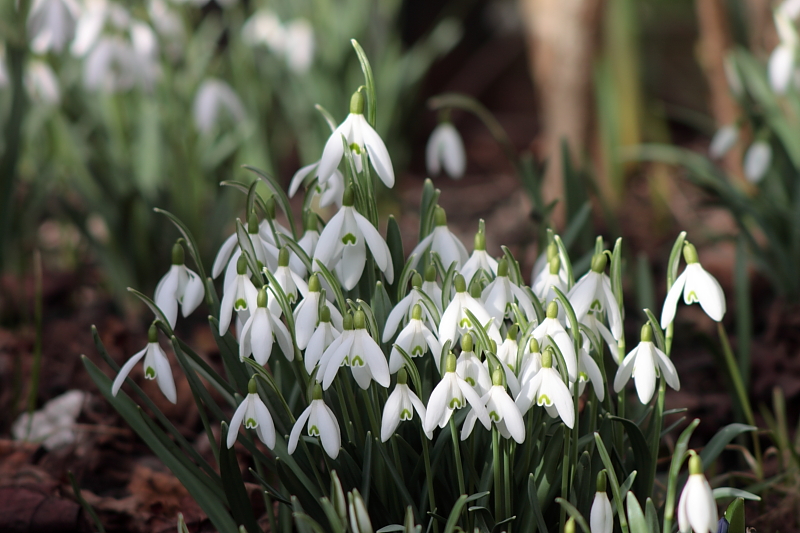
x: 641, y: 452
x: 675, y: 259
x: 154, y: 308
x: 233, y: 484
x: 280, y: 196
x: 249, y: 253
x: 718, y: 443
x: 574, y: 513
x: 86, y: 506
x: 394, y: 240
x: 372, y: 104
x: 651, y: 516
x: 729, y: 492
x: 533, y: 498
x: 734, y: 514
x: 334, y: 284
x: 229, y: 352
x: 408, y: 500
x: 458, y: 508
x: 430, y: 198
x: 635, y: 515
x: 332, y: 124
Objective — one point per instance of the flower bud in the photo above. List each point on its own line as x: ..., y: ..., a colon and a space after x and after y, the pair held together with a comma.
x: 270, y: 203
x: 497, y: 377
x: 402, y: 376
x: 534, y: 346
x: 547, y: 357
x: 313, y: 283
x: 450, y: 362
x: 416, y: 280
x: 690, y: 253
x: 695, y: 464
x: 241, y: 265
x: 552, y: 251
x: 360, y: 320
x: 416, y: 312
x: 283, y: 257
x: 252, y: 223
x: 316, y: 394
x: 325, y: 314
x: 601, y: 481
x: 348, y: 197
x: 555, y: 265
x: 480, y: 241
x: 647, y: 333
x: 502, y: 268
x: 337, y: 494
x: 152, y: 333
x: 347, y: 321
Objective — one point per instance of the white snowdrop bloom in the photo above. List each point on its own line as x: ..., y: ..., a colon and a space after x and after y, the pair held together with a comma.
x: 110, y: 66
x: 445, y: 149
x: 270, y: 229
x: 255, y: 415
x: 329, y: 190
x: 299, y: 45
x: 732, y: 76
x: 592, y: 294
x: 51, y: 24
x: 415, y: 339
x: 167, y: 22
x: 508, y: 350
x: 470, y: 369
x: 697, y: 510
x: 450, y: 394
x: 400, y: 406
x: 307, y: 313
x: 261, y: 330
x: 791, y: 8
x: 404, y: 309
x: 479, y: 261
x: 501, y: 293
x: 238, y: 295
x: 308, y: 243
x: 358, y: 350
x: 359, y: 137
x: 598, y: 328
x: 724, y: 139
x: 321, y: 422
x: 229, y: 253
x: 289, y: 282
x: 96, y: 14
x: 696, y: 285
x: 502, y: 411
x: 531, y: 361
x: 265, y: 28
x: 42, y: 83
x: 443, y: 242
x: 179, y: 286
x: 601, y: 517
x: 589, y: 371
x: 54, y: 424
x: 551, y: 327
x: 156, y: 366
x: 546, y: 389
x: 782, y: 60
x: 542, y: 263
x: 213, y: 97
x: 645, y: 363
x: 324, y: 335
x: 455, y: 321
x: 756, y: 161
x: 550, y: 277
x: 343, y: 243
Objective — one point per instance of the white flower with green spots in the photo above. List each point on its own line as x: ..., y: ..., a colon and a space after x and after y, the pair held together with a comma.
x: 320, y: 422
x: 255, y: 415
x: 400, y: 406
x: 697, y: 286
x: 450, y: 394
x: 503, y: 412
x: 547, y: 389
x: 156, y: 366
x: 415, y: 339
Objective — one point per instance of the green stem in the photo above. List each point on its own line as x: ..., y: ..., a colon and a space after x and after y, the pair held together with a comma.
x: 457, y: 451
x: 657, y: 423
x: 498, y: 474
x: 345, y: 415
x: 429, y: 477
x: 565, y: 468
x: 507, y: 480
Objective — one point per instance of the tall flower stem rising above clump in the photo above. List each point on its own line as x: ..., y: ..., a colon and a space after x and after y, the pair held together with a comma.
x: 452, y: 353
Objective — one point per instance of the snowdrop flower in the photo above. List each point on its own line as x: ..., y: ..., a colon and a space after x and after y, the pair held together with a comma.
x: 264, y: 27
x: 431, y: 287
x: 450, y: 394
x: 645, y: 363
x: 756, y: 161
x: 359, y: 137
x: 589, y: 371
x: 507, y: 352
x: 405, y: 307
x: 546, y: 389
x: 443, y: 242
x: 592, y: 294
x: 479, y: 260
x: 542, y: 263
x: 400, y: 406
x: 501, y: 293
x: 321, y: 422
x: 551, y: 327
x: 697, y: 510
x: 54, y: 424
x: 470, y: 369
x: 308, y: 243
x: 215, y: 96
x: 239, y: 294
x: 361, y: 352
x: 445, y: 149
x: 307, y: 312
x: 179, y: 286
x: 270, y: 229
x: 323, y: 337
x: 601, y: 517
x: 42, y: 83
x: 782, y: 61
x: 724, y: 139
x: 552, y: 276
x: 344, y: 242
x: 156, y: 366
x: 415, y: 339
x: 531, y: 361
x: 51, y: 24
x: 289, y: 282
x: 299, y: 45
x: 696, y: 285
x: 329, y: 190
x: 230, y: 251
x: 260, y: 330
x: 357, y: 513
x: 502, y: 411
x: 94, y: 17
x: 255, y: 415
x: 455, y: 321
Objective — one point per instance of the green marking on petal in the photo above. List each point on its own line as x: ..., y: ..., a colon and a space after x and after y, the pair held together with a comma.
x: 471, y: 381
x: 544, y: 400
x: 150, y: 373
x: 346, y: 361
x: 349, y: 239
x: 405, y: 414
x: 356, y: 361
x: 583, y: 376
x: 455, y: 403
x: 416, y: 351
x: 240, y: 304
x: 313, y: 431
x: 692, y: 297
x: 465, y: 323
x: 356, y: 148
x: 494, y: 416
x: 596, y: 306
x: 250, y: 423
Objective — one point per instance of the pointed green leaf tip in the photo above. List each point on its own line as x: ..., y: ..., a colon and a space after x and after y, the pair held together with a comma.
x: 310, y: 221
x: 547, y: 357
x: 467, y: 345
x: 283, y: 257
x: 502, y: 268
x: 416, y: 312
x: 555, y: 265
x: 347, y: 197
x: 402, y: 376
x: 534, y: 345
x: 450, y: 363
x: 177, y: 254
x: 152, y: 333
x: 357, y: 103
x: 513, y: 331
x: 690, y: 253
x: 461, y: 285
x: 480, y: 242
x: 360, y: 320
x: 647, y: 333
x: 695, y: 464
x: 601, y: 481
x: 430, y: 273
x: 261, y: 301
x: 317, y: 392
x: 599, y: 263
x: 241, y: 265
x: 347, y: 321
x: 252, y: 223
x: 439, y: 216
x: 497, y: 378
x: 416, y: 280
x: 270, y: 203
x: 251, y: 386
x: 325, y: 314
x: 552, y: 309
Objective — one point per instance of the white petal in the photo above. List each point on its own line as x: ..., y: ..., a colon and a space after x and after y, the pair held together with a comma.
x: 375, y: 360
x: 378, y: 247
x: 260, y: 335
x: 781, y: 67
x: 164, y: 375
x: 299, y: 177
x: 352, y: 265
x: 612, y: 309
x: 436, y: 405
x: 283, y: 337
x: 671, y: 301
x: 583, y: 294
x: 724, y: 139
x: 391, y: 414
x: 236, y: 422
x: 329, y: 432
x: 193, y: 294
x: 245, y: 344
x: 452, y: 151
x: 601, y: 519
x: 266, y: 427
x: 333, y: 152
x: 378, y: 154
x: 125, y: 370
x: 668, y: 370
x: 756, y: 161
x: 294, y: 436
x: 475, y: 401
x: 710, y: 294
x: 511, y: 416
x: 644, y: 372
x: 166, y: 298
x: 419, y: 249
x: 395, y: 317
x: 595, y: 376
x: 330, y: 239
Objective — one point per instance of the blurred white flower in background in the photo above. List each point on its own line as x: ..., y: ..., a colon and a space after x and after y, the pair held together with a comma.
x: 756, y: 161
x: 294, y: 40
x: 724, y: 139
x: 445, y: 149
x: 52, y: 425
x: 42, y: 83
x: 213, y: 97
x: 95, y: 16
x: 782, y: 61
x: 51, y: 24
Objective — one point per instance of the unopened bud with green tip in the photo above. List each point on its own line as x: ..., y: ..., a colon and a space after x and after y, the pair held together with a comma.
x: 252, y: 387
x: 360, y: 320
x: 439, y: 216
x: 695, y: 464
x: 177, y: 254
x: 467, y: 344
x: 450, y: 362
x: 357, y: 103
x: 647, y: 333
x: 314, y: 284
x: 534, y: 346
x: 416, y: 312
x: 555, y: 265
x: 690, y: 253
x: 283, y: 257
x: 241, y: 265
x: 480, y: 242
x: 502, y: 268
x: 325, y: 314
x: 152, y: 333
x: 252, y: 223
x: 599, y: 262
x: 497, y: 378
x: 460, y: 283
x: 430, y: 273
x: 402, y: 376
x: 261, y: 299
x: 552, y: 309
x: 601, y: 481
x: 348, y: 197
x: 547, y: 357
x: 337, y: 494
x: 569, y: 527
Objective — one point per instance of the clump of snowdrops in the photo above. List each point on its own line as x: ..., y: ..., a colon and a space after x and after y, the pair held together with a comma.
x: 373, y: 389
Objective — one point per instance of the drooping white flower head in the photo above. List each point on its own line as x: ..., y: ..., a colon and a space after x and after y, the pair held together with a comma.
x: 724, y: 139
x: 546, y: 389
x: 645, y: 363
x: 450, y: 394
x: 455, y: 321
x: 289, y: 282
x: 41, y: 83
x: 116, y: 63
x: 470, y: 369
x: 229, y: 252
x: 358, y: 350
x: 431, y: 287
x: 299, y: 45
x: 501, y: 293
x: 321, y: 422
x: 550, y: 277
x: 255, y: 415
x: 415, y: 339
x: 479, y: 261
x: 445, y: 149
x: 542, y: 263
x: 400, y: 406
x: 404, y: 310
x: 696, y: 285
x: 601, y: 517
x: 330, y: 190
x: 51, y: 24
x: 531, y: 361
x: 508, y: 350
x: 308, y: 243
x: 238, y: 295
x: 551, y: 327
x: 343, y: 244
x: 502, y: 410
x: 359, y: 137
x: 323, y: 337
x: 213, y: 98
x: 294, y: 41
x: 589, y: 371
x: 443, y: 242
x: 783, y: 58
x: 156, y: 366
x: 697, y: 510
x: 93, y: 19
x: 179, y: 286
x: 756, y: 161
x: 260, y: 331
x: 264, y: 27
x: 592, y: 294
x: 307, y: 313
